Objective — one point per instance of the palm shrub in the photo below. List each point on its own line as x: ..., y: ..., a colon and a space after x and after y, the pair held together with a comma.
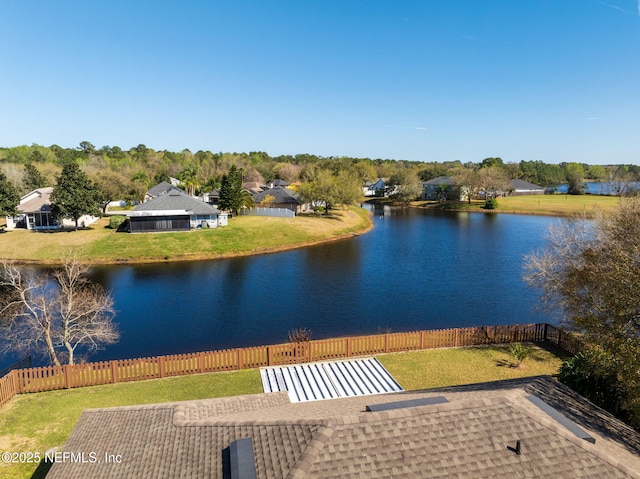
x: 519, y: 353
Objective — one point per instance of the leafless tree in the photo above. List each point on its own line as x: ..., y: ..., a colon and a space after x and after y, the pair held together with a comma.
x: 590, y: 274
x: 54, y: 313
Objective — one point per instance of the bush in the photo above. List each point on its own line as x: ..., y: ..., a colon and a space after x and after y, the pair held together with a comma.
x: 490, y: 204
x: 519, y: 353
x: 116, y: 221
x: 593, y: 374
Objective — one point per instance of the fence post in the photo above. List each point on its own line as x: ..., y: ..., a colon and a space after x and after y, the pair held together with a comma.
x: 67, y: 376
x: 269, y: 358
x: 310, y: 352
x: 457, y: 340
x: 161, y: 367
x: 546, y: 331
x: 114, y: 371
x: 200, y: 362
x: 386, y: 343
x: 239, y: 358
x: 349, y: 347
x: 17, y: 384
x: 422, y: 338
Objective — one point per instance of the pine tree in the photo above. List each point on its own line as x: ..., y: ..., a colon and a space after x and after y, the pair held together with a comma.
x: 75, y: 194
x: 33, y: 179
x: 9, y: 198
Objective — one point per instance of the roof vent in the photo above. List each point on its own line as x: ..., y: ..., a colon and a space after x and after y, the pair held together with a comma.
x: 410, y: 403
x: 565, y: 421
x: 515, y: 449
x: 241, y: 463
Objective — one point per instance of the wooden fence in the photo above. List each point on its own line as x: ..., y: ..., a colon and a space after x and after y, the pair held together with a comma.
x: 110, y: 372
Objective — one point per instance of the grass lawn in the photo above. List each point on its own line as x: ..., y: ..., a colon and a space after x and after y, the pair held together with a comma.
x: 37, y: 422
x: 244, y: 235
x: 456, y: 366
x: 553, y: 205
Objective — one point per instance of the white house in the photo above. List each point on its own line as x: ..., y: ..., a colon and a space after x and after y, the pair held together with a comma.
x: 34, y: 213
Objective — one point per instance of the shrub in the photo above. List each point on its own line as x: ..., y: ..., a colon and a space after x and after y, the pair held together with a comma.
x: 490, y: 204
x: 116, y: 221
x: 593, y: 374
x: 519, y: 353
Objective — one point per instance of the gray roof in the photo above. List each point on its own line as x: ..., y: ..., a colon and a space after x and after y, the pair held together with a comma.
x: 161, y: 188
x: 40, y: 201
x: 441, y: 180
x: 176, y: 200
x: 468, y: 436
x: 525, y: 185
x: 281, y: 195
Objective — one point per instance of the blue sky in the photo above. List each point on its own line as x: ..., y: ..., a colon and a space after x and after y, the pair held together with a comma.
x: 422, y: 80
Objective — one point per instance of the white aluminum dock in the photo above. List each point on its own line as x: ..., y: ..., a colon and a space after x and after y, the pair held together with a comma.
x: 329, y: 379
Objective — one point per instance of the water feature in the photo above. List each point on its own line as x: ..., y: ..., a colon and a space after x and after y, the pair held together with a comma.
x: 414, y: 270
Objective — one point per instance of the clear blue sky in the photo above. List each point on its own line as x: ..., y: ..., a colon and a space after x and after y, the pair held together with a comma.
x: 424, y: 80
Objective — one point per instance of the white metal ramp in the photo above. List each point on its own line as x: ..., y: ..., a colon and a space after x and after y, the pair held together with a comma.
x: 329, y: 379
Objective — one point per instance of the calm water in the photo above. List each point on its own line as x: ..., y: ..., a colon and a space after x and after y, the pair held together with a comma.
x: 415, y: 270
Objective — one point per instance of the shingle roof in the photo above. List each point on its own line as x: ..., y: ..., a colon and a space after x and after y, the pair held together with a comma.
x: 281, y: 195
x: 38, y: 200
x: 525, y: 185
x: 441, y: 180
x: 160, y: 189
x: 177, y: 200
x: 469, y: 436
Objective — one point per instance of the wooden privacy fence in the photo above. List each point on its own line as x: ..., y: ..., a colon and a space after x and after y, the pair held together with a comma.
x: 110, y: 372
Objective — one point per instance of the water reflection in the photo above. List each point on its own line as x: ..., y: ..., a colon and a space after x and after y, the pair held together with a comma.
x: 415, y: 270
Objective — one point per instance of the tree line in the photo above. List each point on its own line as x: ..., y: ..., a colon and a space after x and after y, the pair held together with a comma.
x: 128, y: 174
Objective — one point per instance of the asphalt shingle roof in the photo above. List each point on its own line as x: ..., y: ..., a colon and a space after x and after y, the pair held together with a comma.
x: 468, y: 436
x: 177, y: 200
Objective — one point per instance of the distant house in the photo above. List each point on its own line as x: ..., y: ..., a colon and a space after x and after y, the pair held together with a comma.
x: 279, y: 183
x: 254, y: 187
x: 174, y: 211
x: 527, y: 428
x: 35, y: 213
x: 282, y: 198
x: 521, y: 187
x: 159, y: 189
x: 374, y: 188
x: 442, y: 185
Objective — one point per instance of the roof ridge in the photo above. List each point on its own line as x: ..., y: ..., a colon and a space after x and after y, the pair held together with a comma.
x: 310, y: 453
x: 542, y: 418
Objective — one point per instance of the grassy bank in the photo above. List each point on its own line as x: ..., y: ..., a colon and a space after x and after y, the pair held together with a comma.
x: 245, y: 235
x: 40, y: 421
x: 551, y: 205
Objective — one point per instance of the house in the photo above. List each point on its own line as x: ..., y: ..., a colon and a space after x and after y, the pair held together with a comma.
x: 374, y: 188
x: 442, y: 187
x: 282, y: 198
x: 521, y: 187
x: 254, y: 187
x: 174, y: 211
x: 533, y: 427
x: 279, y: 183
x: 35, y: 213
x: 160, y: 189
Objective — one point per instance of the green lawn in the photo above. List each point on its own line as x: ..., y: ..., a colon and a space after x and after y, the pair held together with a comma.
x: 40, y: 421
x: 244, y: 235
x: 553, y: 205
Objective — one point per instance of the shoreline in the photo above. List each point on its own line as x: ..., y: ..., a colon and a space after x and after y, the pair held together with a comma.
x: 202, y: 256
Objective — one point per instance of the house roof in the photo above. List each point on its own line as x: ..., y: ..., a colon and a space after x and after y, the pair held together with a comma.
x: 472, y: 434
x: 36, y: 201
x: 525, y: 185
x: 160, y: 189
x: 281, y: 195
x: 441, y: 180
x: 175, y: 201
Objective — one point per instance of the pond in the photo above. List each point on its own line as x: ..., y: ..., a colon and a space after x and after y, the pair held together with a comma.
x: 415, y: 270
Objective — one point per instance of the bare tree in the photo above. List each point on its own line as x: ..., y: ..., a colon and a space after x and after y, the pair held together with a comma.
x: 590, y: 274
x: 55, y: 313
